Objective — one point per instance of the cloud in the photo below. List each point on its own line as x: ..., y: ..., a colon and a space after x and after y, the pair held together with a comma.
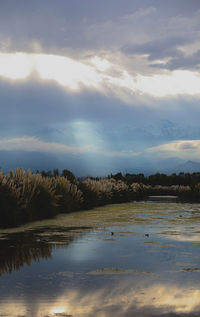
x: 181, y: 61
x: 65, y: 27
x: 154, y: 28
x: 136, y: 301
x: 15, y: 66
x: 91, y: 61
x: 75, y: 75
x: 122, y: 154
x: 117, y: 31
x: 187, y: 149
x: 173, y: 44
x: 119, y: 299
x: 159, y: 48
x: 33, y: 144
x: 65, y: 71
x: 170, y: 84
x: 71, y: 23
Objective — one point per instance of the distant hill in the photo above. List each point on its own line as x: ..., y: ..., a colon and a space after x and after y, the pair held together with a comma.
x: 166, y: 166
x: 188, y: 167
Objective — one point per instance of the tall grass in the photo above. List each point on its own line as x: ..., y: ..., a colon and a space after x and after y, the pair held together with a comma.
x: 26, y: 197
x: 109, y: 190
x: 69, y: 197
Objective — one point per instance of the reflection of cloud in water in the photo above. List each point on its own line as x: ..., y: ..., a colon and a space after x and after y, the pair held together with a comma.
x: 13, y: 308
x: 126, y: 300
x: 189, y: 238
x: 183, y: 238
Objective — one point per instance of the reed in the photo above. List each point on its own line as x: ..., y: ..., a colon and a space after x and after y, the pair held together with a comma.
x: 69, y: 196
x: 25, y: 196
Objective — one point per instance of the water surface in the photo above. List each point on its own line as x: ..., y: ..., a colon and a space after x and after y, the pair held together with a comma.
x: 135, y: 259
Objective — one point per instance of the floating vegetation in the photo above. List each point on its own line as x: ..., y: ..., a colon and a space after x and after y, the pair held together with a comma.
x: 116, y: 271
x: 155, y: 244
x: 189, y: 269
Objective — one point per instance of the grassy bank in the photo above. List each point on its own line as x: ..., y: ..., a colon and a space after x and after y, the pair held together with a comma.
x: 26, y: 197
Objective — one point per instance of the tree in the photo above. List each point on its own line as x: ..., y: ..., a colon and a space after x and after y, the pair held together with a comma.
x: 69, y: 175
x: 56, y: 172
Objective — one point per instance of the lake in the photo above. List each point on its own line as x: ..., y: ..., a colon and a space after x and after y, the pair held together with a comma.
x: 134, y: 259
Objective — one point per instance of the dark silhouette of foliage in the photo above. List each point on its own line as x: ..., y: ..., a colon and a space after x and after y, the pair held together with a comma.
x: 56, y: 172
x: 69, y: 175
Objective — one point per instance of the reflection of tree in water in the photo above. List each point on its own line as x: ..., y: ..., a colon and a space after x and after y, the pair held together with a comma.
x: 17, y: 249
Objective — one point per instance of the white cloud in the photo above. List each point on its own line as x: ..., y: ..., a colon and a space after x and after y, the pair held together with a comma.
x: 100, y: 63
x: 180, y: 82
x: 130, y: 301
x: 121, y: 154
x: 119, y: 299
x: 187, y: 149
x: 167, y: 298
x: 99, y: 74
x: 15, y: 65
x: 66, y: 71
x: 33, y: 144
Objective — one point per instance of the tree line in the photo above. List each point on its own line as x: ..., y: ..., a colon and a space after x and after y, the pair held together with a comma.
x: 184, y: 179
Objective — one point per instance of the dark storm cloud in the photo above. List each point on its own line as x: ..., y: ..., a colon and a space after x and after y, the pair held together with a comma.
x: 70, y: 24
x: 176, y: 39
x: 159, y: 48
x: 82, y: 28
x: 53, y: 24
x: 33, y: 108
x: 182, y: 62
x: 43, y: 109
x: 48, y: 112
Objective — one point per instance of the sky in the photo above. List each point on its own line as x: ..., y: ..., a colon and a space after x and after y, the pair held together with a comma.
x: 99, y: 86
